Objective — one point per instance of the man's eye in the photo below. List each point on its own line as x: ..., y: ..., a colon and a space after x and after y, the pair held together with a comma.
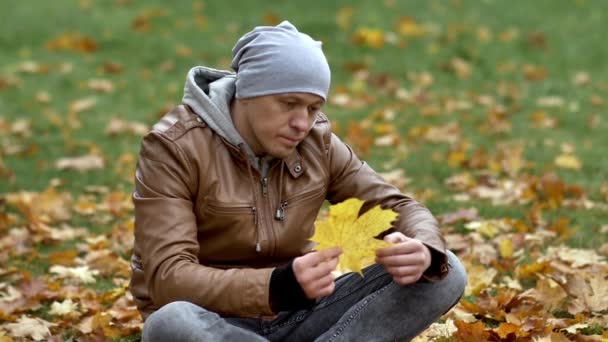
x: 290, y: 104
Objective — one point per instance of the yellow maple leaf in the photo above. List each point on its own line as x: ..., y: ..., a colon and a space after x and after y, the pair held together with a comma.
x: 353, y: 233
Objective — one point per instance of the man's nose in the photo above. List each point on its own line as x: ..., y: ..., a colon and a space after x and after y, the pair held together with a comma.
x: 299, y: 121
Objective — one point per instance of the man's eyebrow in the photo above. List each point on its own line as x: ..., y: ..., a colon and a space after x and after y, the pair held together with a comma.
x: 299, y: 99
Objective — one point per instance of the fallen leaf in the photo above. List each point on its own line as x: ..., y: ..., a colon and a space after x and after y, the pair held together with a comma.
x: 506, y: 248
x: 101, y: 85
x: 81, y: 274
x: 409, y: 27
x: 467, y: 215
x: 551, y: 102
x: 34, y: 328
x: 370, y: 37
x: 343, y: 17
x: 82, y: 163
x: 568, y: 161
x: 437, y: 330
x: 472, y: 332
x: 396, y: 177
x: 65, y: 308
x: 506, y: 329
x: 82, y: 104
x: 72, y: 41
x: 581, y: 78
x: 117, y: 126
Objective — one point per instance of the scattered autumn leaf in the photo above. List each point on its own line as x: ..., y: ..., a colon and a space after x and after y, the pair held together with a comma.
x: 82, y: 163
x: 568, y: 161
x: 34, y: 328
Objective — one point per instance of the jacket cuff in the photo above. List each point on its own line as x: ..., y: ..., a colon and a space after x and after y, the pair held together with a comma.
x: 439, y: 266
x: 285, y: 292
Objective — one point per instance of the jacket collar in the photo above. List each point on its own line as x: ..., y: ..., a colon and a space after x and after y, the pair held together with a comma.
x: 294, y: 162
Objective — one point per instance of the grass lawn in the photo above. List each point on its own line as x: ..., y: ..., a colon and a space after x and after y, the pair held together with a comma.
x: 493, y: 105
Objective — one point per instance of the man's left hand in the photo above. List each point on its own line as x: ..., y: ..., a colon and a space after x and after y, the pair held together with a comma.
x: 406, y: 260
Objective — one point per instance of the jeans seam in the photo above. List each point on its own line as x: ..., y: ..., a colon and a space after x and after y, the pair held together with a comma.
x: 356, y: 312
x: 347, y: 293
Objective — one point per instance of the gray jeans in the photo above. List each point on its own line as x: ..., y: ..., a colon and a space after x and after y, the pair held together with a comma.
x: 369, y: 308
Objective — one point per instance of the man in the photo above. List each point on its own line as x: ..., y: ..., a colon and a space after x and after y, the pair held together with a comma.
x: 228, y: 186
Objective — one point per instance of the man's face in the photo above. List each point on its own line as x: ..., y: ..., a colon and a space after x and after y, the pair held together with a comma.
x: 275, y: 124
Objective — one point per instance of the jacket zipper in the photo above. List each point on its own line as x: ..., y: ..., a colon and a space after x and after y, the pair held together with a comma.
x: 264, y: 186
x: 280, y: 213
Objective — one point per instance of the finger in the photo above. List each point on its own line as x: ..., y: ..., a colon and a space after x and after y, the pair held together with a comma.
x: 320, y: 270
x: 324, y: 282
x: 403, y: 271
x: 401, y: 248
x: 401, y: 260
x: 406, y: 280
x: 325, y: 254
x: 326, y: 291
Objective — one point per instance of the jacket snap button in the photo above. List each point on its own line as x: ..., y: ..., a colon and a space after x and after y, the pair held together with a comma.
x: 199, y: 119
x: 297, y: 169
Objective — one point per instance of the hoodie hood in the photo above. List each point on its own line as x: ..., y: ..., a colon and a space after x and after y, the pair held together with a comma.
x: 209, y: 93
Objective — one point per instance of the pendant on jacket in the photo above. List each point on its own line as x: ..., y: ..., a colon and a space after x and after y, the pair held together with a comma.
x: 279, y: 215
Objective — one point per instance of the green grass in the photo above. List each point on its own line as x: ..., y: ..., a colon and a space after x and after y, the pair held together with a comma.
x: 572, y: 30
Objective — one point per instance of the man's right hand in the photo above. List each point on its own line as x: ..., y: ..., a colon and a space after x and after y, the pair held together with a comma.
x: 313, y: 272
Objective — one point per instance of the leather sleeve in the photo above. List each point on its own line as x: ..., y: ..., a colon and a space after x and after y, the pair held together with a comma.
x: 350, y: 177
x: 166, y: 237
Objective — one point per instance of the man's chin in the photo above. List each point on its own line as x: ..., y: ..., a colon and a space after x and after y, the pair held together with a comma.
x: 281, y: 154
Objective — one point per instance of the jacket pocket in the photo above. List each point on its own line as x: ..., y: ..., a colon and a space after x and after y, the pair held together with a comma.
x: 226, y: 232
x: 224, y: 209
x: 295, y: 199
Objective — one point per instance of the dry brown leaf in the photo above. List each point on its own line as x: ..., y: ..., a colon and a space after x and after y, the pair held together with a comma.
x: 101, y: 85
x: 370, y: 37
x: 467, y: 215
x: 541, y: 119
x: 535, y: 73
x: 80, y: 274
x: 436, y: 331
x: 551, y: 102
x: 65, y: 308
x: 581, y: 78
x: 343, y: 17
x: 82, y: 104
x: 472, y: 332
x: 49, y: 206
x: 576, y: 257
x: 74, y: 41
x: 396, y: 177
x: 506, y: 329
x: 117, y: 126
x: 480, y: 277
x: 568, y: 161
x: 82, y: 163
x: 34, y: 328
x: 409, y: 27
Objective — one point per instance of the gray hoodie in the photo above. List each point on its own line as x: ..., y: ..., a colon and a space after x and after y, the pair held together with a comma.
x: 209, y: 93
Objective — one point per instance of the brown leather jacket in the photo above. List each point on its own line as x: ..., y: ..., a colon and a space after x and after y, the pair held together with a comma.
x: 205, y: 226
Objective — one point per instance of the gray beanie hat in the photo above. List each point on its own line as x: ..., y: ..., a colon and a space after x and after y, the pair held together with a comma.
x: 279, y: 59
